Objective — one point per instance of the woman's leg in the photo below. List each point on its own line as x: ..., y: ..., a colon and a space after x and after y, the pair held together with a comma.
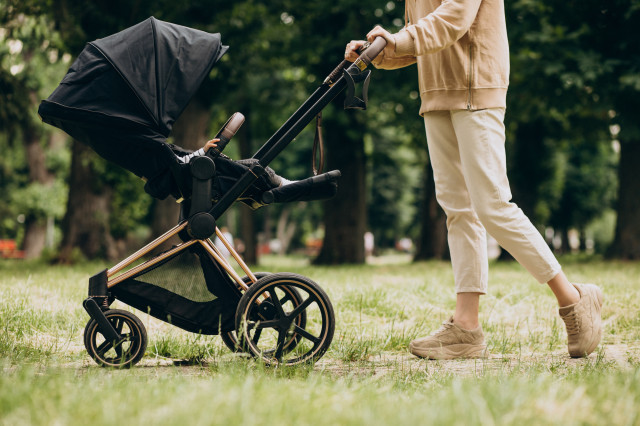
x: 481, y: 137
x: 466, y: 235
x: 564, y: 291
x: 467, y: 310
x: 481, y: 161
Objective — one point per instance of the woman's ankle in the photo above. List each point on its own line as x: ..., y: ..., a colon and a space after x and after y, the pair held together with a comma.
x: 565, y: 292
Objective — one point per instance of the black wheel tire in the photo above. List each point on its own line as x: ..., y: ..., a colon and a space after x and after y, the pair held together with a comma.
x: 125, y: 353
x: 230, y: 338
x: 312, y: 336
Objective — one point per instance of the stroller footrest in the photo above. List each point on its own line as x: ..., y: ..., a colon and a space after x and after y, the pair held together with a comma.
x: 321, y: 187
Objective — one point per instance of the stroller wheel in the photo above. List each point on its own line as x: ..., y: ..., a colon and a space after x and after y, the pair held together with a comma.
x: 272, y: 327
x: 122, y: 354
x: 230, y: 338
x: 288, y: 296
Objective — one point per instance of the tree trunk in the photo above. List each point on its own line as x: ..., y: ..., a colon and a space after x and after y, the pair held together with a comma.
x: 626, y: 244
x: 565, y: 245
x: 35, y: 235
x: 345, y: 216
x: 583, y: 240
x: 189, y: 132
x: 35, y: 227
x: 86, y: 222
x: 432, y: 243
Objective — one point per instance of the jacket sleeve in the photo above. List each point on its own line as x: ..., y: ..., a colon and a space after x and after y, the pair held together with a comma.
x: 439, y: 29
x: 393, y: 62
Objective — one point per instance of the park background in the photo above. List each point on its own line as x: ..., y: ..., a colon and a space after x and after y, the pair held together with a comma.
x: 573, y: 134
x: 573, y: 145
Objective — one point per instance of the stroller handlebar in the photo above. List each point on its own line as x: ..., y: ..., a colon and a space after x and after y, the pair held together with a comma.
x: 227, y: 132
x: 368, y: 53
x: 371, y: 50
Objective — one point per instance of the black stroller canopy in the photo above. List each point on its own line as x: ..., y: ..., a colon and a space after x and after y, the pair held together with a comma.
x: 163, y: 63
x: 124, y: 92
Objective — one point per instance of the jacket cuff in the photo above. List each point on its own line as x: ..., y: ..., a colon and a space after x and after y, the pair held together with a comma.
x: 404, y: 44
x: 378, y: 59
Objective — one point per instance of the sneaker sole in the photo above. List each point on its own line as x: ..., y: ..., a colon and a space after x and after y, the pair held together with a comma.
x: 450, y: 352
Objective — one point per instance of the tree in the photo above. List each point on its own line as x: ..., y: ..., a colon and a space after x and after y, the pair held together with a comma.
x: 604, y: 63
x: 432, y: 243
x: 589, y: 186
x: 557, y: 123
x: 28, y: 54
x: 345, y: 216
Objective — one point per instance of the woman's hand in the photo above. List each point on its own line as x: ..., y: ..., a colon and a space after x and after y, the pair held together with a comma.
x: 351, y: 51
x: 211, y: 144
x: 378, y: 31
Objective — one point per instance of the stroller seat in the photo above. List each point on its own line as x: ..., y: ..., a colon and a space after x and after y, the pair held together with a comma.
x: 176, y: 181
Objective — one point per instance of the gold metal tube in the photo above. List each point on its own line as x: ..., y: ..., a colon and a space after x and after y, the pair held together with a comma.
x: 213, y: 251
x: 146, y: 249
x: 133, y: 271
x: 235, y: 256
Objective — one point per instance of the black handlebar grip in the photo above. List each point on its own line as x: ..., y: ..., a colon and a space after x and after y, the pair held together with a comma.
x: 373, y: 50
x: 368, y: 53
x: 226, y: 133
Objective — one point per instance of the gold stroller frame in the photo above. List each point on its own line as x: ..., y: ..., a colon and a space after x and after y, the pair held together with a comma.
x: 295, y: 295
x: 206, y: 243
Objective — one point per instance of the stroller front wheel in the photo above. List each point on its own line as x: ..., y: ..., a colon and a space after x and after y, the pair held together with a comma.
x: 121, y: 354
x: 285, y: 333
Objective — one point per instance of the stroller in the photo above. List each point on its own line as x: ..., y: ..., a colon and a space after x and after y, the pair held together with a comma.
x: 121, y: 97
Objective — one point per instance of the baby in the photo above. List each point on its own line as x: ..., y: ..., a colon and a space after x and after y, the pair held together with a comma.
x: 202, y: 151
x: 275, y: 179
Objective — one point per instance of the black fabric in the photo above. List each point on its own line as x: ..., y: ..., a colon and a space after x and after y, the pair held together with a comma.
x: 163, y: 63
x: 124, y: 92
x: 320, y: 187
x: 122, y: 95
x: 197, y: 317
x: 131, y: 146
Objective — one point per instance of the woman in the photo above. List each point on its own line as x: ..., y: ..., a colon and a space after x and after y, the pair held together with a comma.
x: 462, y: 53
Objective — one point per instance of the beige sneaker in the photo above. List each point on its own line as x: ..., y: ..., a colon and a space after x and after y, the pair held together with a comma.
x: 584, y: 320
x: 450, y: 342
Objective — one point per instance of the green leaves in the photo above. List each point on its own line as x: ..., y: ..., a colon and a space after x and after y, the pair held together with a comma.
x: 41, y: 200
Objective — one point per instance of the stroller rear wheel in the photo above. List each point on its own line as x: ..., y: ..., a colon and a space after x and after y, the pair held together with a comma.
x: 288, y: 296
x: 285, y: 333
x: 123, y: 353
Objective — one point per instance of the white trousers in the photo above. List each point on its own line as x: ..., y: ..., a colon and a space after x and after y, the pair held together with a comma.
x: 467, y: 153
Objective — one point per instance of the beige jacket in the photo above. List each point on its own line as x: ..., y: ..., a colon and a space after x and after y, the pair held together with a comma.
x: 461, y: 49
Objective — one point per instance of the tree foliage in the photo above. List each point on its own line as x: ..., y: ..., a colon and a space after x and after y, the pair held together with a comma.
x: 573, y: 100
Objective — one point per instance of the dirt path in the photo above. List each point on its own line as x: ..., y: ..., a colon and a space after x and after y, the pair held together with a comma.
x: 617, y: 355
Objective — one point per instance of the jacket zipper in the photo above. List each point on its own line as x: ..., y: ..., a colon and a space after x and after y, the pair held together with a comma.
x: 469, y: 100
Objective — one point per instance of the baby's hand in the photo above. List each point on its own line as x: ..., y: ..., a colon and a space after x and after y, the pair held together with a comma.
x: 211, y: 144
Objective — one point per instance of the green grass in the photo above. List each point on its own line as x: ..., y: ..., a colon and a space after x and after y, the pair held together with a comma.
x: 366, y: 377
